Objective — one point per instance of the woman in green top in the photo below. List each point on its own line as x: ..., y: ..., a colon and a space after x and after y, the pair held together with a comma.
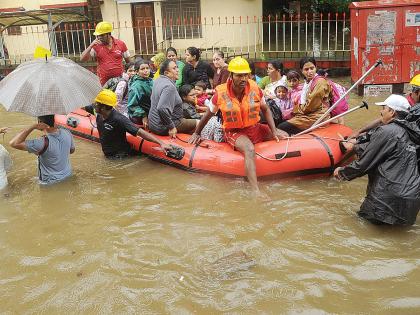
x: 139, y: 92
x: 171, y: 54
x: 275, y: 77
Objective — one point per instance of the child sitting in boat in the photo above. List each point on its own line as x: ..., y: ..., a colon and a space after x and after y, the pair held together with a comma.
x: 201, y: 95
x: 295, y: 86
x: 283, y: 101
x: 188, y: 96
x: 213, y: 129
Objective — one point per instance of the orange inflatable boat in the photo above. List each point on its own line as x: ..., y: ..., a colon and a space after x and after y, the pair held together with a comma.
x: 315, y: 153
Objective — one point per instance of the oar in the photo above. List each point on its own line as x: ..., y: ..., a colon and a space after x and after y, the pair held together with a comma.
x: 377, y: 63
x: 364, y: 104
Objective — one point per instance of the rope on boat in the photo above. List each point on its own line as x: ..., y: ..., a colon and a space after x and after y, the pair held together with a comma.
x: 206, y: 146
x: 287, y: 147
x: 275, y: 160
x: 267, y: 158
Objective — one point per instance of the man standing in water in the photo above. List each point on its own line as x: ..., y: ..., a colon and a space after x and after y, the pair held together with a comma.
x: 113, y: 126
x: 108, y: 51
x: 240, y: 101
x: 388, y: 155
x: 53, y: 149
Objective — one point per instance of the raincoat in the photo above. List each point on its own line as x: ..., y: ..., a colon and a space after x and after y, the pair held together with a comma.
x: 139, y: 92
x: 388, y: 156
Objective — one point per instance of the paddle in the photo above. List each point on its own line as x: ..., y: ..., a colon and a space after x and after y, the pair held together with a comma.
x: 363, y: 105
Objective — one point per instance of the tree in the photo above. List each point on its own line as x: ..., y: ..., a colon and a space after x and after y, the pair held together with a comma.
x: 307, y: 6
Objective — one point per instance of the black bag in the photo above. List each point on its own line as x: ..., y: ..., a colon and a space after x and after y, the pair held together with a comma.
x: 175, y: 152
x: 275, y: 112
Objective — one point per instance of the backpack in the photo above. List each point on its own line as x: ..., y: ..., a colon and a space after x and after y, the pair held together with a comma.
x: 275, y: 112
x: 337, y: 91
x: 112, y: 84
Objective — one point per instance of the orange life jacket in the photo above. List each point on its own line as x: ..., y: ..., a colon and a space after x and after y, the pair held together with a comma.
x: 238, y: 114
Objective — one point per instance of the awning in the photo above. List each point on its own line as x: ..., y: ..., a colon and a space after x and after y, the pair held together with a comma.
x: 37, y: 17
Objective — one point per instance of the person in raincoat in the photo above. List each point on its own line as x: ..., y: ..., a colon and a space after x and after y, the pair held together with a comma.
x: 388, y: 155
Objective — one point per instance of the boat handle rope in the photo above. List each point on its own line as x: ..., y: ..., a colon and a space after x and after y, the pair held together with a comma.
x: 275, y: 160
x: 90, y: 120
x: 287, y: 147
x: 206, y: 146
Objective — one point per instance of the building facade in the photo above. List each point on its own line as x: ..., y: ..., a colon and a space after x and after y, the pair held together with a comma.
x: 145, y: 26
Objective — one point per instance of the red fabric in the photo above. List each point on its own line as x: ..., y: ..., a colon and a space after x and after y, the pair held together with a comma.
x: 110, y: 60
x: 256, y: 133
x: 201, y: 99
x: 220, y: 78
x: 230, y: 91
x: 410, y: 100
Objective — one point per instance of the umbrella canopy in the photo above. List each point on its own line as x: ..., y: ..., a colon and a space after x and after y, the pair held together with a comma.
x: 46, y: 87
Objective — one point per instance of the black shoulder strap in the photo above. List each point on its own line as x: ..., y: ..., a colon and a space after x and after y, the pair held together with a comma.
x: 125, y: 90
x: 45, y: 147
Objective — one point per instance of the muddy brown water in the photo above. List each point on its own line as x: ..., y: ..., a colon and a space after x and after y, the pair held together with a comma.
x: 139, y: 237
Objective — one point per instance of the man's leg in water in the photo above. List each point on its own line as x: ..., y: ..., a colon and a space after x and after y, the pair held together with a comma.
x: 246, y: 147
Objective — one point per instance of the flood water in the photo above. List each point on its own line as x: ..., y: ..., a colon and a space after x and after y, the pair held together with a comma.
x: 135, y: 236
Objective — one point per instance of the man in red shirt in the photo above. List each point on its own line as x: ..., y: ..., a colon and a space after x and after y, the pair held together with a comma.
x: 108, y: 51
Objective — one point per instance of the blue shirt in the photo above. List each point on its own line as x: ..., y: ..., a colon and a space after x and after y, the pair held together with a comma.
x: 54, y: 163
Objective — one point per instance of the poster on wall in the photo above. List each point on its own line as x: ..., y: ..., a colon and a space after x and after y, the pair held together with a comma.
x: 381, y: 28
x: 412, y: 19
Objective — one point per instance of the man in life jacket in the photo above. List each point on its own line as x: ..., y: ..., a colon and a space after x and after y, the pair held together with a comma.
x: 240, y: 101
x: 108, y: 51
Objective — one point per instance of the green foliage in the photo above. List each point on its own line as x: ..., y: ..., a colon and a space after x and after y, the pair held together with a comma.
x: 307, y: 6
x: 331, y: 5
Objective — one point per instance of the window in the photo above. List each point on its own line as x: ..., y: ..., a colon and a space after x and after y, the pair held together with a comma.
x: 73, y: 38
x: 184, y: 15
x: 14, y: 30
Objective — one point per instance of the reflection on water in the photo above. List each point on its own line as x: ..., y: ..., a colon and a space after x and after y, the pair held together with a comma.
x: 137, y: 236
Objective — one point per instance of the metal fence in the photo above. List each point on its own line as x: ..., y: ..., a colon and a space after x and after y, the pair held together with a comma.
x: 325, y: 36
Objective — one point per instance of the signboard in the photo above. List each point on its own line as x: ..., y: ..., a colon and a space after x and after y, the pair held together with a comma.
x: 376, y: 90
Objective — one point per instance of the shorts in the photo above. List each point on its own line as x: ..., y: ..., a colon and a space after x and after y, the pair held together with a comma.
x: 213, y: 130
x: 256, y: 133
x: 187, y: 125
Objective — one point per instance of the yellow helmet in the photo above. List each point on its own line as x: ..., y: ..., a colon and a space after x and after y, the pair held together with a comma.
x: 239, y: 65
x: 103, y: 28
x: 415, y: 81
x: 158, y: 59
x: 107, y: 97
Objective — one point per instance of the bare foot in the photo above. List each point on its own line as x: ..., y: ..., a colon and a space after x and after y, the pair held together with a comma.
x: 260, y: 195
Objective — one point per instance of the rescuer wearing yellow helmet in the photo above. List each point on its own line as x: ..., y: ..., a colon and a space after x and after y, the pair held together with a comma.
x: 414, y: 97
x: 240, y: 101
x: 112, y: 127
x: 108, y: 51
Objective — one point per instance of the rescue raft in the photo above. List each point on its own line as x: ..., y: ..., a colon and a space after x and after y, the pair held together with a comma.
x: 315, y: 153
